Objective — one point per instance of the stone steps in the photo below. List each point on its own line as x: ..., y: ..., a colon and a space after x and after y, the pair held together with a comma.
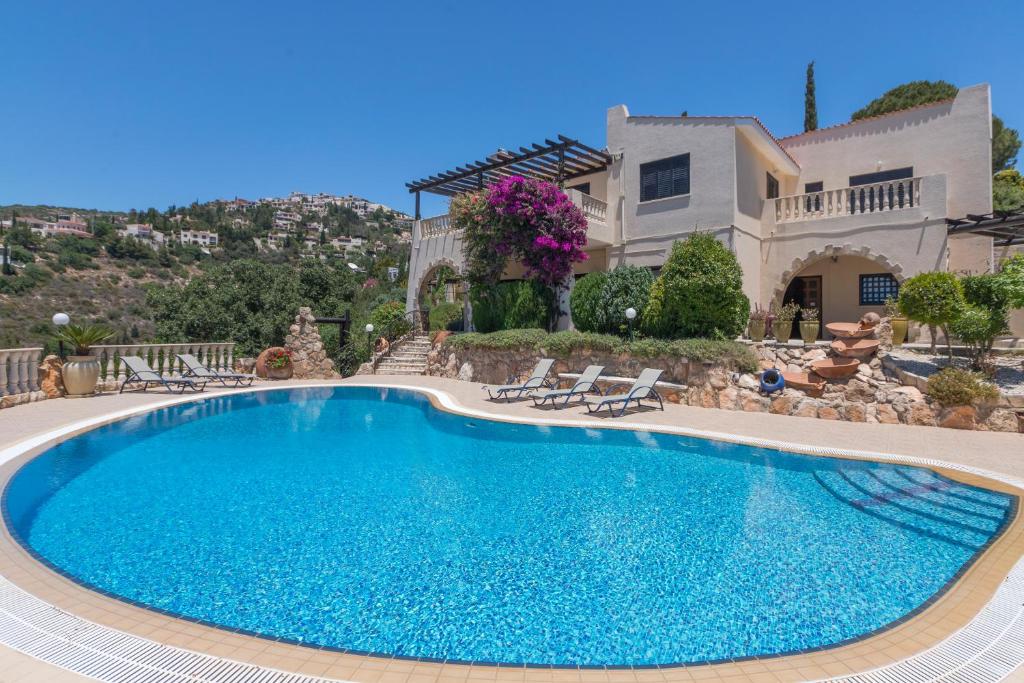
x: 407, y: 358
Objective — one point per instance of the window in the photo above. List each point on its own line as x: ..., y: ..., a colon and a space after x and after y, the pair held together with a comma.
x: 582, y: 187
x: 882, y: 176
x: 772, y: 192
x: 665, y: 178
x: 875, y: 289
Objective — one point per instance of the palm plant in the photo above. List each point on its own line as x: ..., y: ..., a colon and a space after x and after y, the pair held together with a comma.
x: 83, y: 336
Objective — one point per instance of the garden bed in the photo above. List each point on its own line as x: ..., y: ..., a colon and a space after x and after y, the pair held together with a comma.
x: 1008, y: 378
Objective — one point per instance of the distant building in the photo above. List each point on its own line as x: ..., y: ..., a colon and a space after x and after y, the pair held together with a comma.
x: 64, y: 225
x: 201, y: 238
x: 144, y: 232
x: 392, y: 273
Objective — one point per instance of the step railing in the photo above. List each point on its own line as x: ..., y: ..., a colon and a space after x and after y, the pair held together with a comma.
x: 19, y: 370
x: 891, y: 195
x: 162, y: 357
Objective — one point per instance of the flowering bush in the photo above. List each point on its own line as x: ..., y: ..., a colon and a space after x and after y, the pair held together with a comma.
x: 530, y: 221
x: 279, y: 358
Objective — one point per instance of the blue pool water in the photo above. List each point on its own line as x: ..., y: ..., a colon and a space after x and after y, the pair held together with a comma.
x: 366, y: 519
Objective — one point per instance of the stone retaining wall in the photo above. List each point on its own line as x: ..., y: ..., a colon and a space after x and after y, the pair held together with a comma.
x: 873, y: 395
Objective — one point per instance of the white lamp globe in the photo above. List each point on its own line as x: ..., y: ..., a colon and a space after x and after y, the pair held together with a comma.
x: 61, y: 319
x: 630, y: 313
x: 369, y: 327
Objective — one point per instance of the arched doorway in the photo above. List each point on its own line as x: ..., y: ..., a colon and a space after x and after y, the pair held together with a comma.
x: 440, y: 284
x: 842, y: 286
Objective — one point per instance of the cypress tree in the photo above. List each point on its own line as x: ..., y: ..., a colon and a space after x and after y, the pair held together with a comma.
x: 810, y: 103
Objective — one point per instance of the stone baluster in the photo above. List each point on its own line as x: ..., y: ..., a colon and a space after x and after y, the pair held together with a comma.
x: 4, y: 388
x: 34, y: 360
x: 19, y: 362
x: 229, y: 361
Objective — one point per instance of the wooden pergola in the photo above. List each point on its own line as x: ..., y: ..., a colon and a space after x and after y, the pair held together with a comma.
x: 1005, y: 227
x: 555, y: 160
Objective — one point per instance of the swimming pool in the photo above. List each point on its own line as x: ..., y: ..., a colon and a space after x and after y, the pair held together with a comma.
x: 367, y: 520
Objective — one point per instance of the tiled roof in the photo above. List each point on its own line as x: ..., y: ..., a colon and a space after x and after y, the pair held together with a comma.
x: 869, y: 118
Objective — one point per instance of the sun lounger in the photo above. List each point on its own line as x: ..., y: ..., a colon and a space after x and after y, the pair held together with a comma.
x: 587, y: 382
x: 643, y: 388
x: 538, y: 380
x: 140, y: 372
x: 195, y: 369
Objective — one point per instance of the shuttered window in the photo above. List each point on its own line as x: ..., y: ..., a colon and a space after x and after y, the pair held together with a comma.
x: 665, y: 178
x: 772, y: 191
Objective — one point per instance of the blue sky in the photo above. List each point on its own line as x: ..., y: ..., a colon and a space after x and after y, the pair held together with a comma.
x: 116, y: 104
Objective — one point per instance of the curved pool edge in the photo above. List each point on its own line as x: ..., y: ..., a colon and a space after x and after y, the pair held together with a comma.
x: 959, y: 601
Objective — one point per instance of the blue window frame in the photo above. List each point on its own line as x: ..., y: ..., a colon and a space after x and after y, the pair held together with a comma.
x: 877, y: 287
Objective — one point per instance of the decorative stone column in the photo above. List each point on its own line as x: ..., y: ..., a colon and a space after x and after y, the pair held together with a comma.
x: 309, y: 359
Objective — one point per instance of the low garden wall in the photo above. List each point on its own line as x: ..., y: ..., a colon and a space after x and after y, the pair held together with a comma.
x: 720, y: 375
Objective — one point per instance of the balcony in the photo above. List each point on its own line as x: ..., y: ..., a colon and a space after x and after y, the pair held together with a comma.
x: 596, y: 211
x: 879, y: 198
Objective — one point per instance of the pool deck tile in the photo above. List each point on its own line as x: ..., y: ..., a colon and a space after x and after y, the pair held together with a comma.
x: 997, y: 452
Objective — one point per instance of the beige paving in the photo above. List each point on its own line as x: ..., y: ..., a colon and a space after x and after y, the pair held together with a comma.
x: 998, y: 452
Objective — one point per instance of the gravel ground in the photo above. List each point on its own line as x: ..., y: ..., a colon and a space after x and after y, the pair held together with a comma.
x: 1009, y: 367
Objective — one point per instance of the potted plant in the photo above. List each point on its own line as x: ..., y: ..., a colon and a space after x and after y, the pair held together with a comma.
x: 757, y: 324
x: 783, y: 324
x: 81, y: 371
x: 809, y: 324
x: 897, y: 321
x: 279, y: 364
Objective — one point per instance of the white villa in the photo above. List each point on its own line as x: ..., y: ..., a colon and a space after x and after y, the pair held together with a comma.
x: 836, y: 217
x: 202, y: 238
x: 144, y: 233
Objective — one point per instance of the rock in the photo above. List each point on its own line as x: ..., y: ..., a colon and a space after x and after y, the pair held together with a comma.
x: 728, y: 398
x: 958, y: 417
x: 440, y: 337
x: 1001, y: 420
x: 718, y: 378
x: 806, y: 408
x: 864, y: 369
x: 365, y: 369
x: 752, y: 402
x: 920, y: 414
x: 451, y: 368
x: 748, y: 381
x: 309, y: 359
x: 466, y: 372
x: 859, y: 390
x: 908, y: 393
x: 856, y: 412
x: 829, y: 413
x: 886, y: 414
x: 814, y: 354
x: 784, y: 405
x: 794, y: 368
x: 50, y: 381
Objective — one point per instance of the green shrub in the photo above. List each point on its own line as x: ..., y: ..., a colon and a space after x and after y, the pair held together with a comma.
x: 731, y: 354
x: 958, y: 387
x: 934, y: 299
x: 700, y: 292
x: 390, y: 317
x: 977, y: 327
x: 443, y: 315
x: 511, y: 305
x: 136, y: 273
x: 585, y: 302
x: 626, y: 287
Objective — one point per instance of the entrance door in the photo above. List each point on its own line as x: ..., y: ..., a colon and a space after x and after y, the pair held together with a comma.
x: 806, y: 292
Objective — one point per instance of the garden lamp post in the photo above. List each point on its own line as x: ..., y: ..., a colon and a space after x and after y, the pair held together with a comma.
x: 630, y: 315
x: 60, y: 320
x: 369, y: 338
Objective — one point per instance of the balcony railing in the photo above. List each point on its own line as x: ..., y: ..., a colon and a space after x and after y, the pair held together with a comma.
x: 162, y: 357
x: 435, y: 226
x: 892, y: 195
x: 19, y: 370
x: 593, y: 208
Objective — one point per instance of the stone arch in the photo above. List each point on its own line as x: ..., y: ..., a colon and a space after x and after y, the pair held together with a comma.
x: 429, y: 271
x: 828, y: 251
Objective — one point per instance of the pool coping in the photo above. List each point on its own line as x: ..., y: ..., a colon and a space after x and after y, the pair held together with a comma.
x: 24, y: 450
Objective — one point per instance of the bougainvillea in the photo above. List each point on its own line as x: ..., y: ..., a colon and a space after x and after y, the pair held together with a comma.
x: 522, y: 219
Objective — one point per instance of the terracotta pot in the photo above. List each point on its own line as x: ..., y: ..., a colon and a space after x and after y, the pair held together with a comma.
x: 781, y: 329
x: 899, y: 331
x: 280, y: 373
x: 809, y: 331
x: 756, y: 330
x: 849, y: 330
x: 834, y: 368
x: 80, y: 374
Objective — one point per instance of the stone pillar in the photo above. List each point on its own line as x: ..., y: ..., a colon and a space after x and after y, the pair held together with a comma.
x: 309, y: 359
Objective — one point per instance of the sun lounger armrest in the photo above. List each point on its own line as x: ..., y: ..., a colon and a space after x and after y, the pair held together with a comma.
x: 611, y: 390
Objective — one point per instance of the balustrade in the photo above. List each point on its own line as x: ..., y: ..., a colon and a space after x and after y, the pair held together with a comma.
x: 19, y: 370
x: 162, y: 357
x: 891, y: 195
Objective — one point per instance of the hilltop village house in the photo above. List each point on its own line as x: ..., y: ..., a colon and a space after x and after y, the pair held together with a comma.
x: 835, y: 218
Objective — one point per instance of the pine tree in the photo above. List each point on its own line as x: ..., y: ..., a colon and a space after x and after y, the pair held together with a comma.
x: 810, y: 103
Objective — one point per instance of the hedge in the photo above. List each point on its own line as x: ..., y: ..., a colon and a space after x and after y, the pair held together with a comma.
x: 561, y: 344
